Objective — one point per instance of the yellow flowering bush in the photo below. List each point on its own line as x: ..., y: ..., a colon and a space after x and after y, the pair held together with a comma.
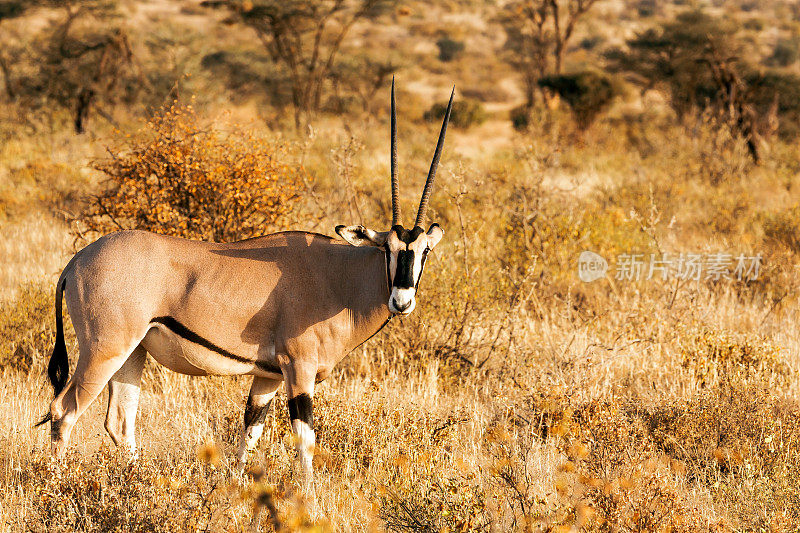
x: 179, y: 178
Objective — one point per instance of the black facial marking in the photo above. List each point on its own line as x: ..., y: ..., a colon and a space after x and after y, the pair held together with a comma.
x: 300, y: 409
x: 404, y: 275
x: 255, y: 414
x: 407, y: 236
x: 191, y: 336
x: 422, y: 266
x: 414, y: 233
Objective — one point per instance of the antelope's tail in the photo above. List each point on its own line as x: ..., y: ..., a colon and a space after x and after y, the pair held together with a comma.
x: 58, y: 368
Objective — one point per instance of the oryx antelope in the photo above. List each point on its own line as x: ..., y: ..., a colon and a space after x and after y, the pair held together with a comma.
x: 283, y: 307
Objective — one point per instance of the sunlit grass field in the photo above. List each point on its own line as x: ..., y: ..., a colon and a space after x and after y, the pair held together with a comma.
x: 516, y: 397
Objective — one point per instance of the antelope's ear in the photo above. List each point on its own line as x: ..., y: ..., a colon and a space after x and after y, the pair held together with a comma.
x: 361, y: 236
x: 435, y: 234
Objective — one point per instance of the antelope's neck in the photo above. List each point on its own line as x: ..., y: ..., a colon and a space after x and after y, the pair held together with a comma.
x: 368, y: 296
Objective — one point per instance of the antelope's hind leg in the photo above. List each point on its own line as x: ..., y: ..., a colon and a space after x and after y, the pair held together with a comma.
x: 97, y: 363
x: 262, y: 391
x: 123, y: 400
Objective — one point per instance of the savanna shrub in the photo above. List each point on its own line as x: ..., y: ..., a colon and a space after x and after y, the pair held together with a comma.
x: 718, y: 153
x: 537, y: 230
x: 180, y: 178
x: 40, y: 183
x: 108, y: 492
x: 520, y: 117
x: 739, y: 441
x: 450, y: 504
x: 587, y: 94
x: 784, y: 53
x: 449, y: 49
x: 465, y: 113
x: 779, y: 88
x: 714, y: 355
x: 782, y: 227
x: 610, y: 475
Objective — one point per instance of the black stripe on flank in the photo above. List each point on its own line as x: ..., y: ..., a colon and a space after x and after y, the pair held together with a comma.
x: 191, y: 336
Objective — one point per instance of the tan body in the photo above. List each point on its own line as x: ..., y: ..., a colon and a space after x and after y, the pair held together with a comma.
x: 267, y: 301
x: 233, y: 295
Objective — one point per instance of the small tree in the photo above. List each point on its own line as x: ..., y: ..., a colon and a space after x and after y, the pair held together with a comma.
x: 357, y: 78
x: 587, y: 94
x: 177, y: 178
x: 304, y: 36
x: 675, y: 56
x: 785, y: 52
x: 538, y: 32
x: 449, y: 48
x: 465, y: 113
x: 85, y: 61
x: 699, y: 62
x: 776, y: 95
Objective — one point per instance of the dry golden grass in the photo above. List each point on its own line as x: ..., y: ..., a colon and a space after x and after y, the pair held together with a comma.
x: 570, y: 431
x: 34, y: 248
x: 516, y: 397
x: 637, y: 406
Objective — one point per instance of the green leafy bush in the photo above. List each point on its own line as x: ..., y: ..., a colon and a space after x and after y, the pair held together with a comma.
x: 587, y: 94
x: 449, y: 49
x: 465, y: 113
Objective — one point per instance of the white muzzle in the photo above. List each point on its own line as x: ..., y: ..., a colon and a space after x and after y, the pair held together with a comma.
x: 402, y: 301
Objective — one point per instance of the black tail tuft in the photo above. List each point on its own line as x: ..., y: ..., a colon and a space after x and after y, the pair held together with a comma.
x: 58, y: 368
x: 45, y: 418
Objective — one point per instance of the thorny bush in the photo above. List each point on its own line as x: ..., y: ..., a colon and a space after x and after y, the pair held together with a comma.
x: 177, y: 177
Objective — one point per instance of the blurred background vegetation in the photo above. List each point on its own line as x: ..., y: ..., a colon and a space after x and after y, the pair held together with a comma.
x: 516, y: 397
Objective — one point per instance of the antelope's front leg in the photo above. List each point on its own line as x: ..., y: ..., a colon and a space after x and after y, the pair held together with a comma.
x: 302, y: 416
x: 300, y: 380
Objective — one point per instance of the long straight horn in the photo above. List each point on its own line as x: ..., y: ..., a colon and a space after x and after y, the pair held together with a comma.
x: 423, y: 204
x: 395, y: 182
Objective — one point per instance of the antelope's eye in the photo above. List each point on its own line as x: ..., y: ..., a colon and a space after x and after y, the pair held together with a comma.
x: 425, y: 252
